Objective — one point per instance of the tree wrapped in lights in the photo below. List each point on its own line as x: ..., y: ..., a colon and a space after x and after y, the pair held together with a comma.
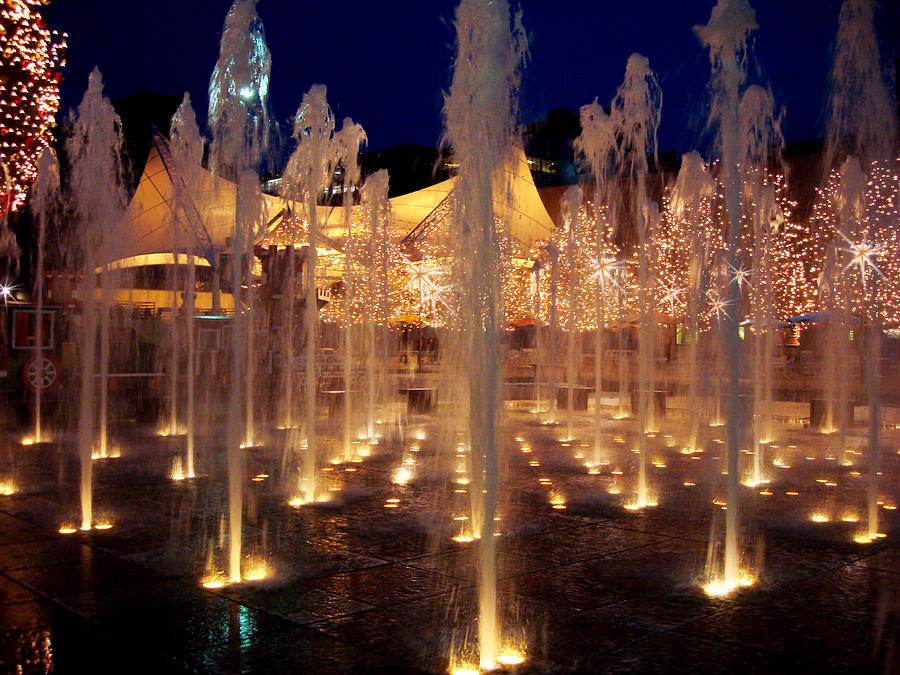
x: 834, y: 265
x: 32, y: 56
x: 793, y: 291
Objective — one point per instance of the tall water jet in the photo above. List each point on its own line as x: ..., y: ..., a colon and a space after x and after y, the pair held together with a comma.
x: 238, y: 92
x: 648, y: 330
x: 861, y: 118
x: 833, y: 300
x: 623, y: 362
x: 45, y: 202
x: 549, y: 345
x: 571, y: 205
x: 347, y: 143
x: 862, y: 225
x: 636, y: 110
x: 306, y: 177
x: 479, y: 113
x: 726, y: 38
x: 862, y: 125
x: 694, y: 189
x: 597, y: 143
x: 187, y: 154
x: 94, y: 152
x: 535, y: 275
x: 760, y: 142
x: 374, y: 194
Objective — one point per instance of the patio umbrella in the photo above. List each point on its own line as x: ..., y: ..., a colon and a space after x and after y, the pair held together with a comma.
x: 524, y: 323
x: 406, y: 318
x: 818, y: 317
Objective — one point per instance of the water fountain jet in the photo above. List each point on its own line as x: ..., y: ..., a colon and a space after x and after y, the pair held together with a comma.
x: 479, y: 113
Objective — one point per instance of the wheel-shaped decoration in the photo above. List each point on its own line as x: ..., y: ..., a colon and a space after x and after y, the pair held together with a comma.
x: 41, y: 373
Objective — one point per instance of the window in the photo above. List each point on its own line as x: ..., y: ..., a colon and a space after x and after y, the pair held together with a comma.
x: 25, y: 329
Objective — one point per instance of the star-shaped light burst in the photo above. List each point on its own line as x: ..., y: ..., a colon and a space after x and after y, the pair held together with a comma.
x: 718, y: 306
x: 740, y: 276
x: 670, y: 295
x: 425, y: 280
x: 605, y: 269
x: 6, y: 291
x: 862, y: 255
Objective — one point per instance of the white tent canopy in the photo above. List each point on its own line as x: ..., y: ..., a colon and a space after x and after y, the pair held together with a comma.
x: 211, y: 212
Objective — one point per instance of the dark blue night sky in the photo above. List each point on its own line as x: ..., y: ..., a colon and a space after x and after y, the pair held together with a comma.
x: 386, y: 64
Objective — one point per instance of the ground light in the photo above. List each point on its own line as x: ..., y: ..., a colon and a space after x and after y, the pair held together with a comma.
x: 639, y: 504
x: 510, y: 658
x: 865, y: 538
x: 720, y: 588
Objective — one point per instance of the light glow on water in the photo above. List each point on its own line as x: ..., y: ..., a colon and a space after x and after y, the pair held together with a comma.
x: 510, y: 658
x: 638, y: 504
x: 402, y: 476
x: 557, y: 500
x: 257, y: 569
x: 719, y: 588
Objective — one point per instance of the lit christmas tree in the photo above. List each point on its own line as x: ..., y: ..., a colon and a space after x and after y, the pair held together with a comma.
x: 32, y: 56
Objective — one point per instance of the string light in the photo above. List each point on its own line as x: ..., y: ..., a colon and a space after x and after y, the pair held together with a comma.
x: 32, y: 57
x: 835, y: 242
x: 787, y: 259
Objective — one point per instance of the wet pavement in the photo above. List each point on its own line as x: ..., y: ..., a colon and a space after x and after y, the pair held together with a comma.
x: 366, y: 585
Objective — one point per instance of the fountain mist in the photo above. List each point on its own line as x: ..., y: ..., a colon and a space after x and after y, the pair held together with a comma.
x: 862, y: 126
x: 306, y: 176
x: 375, y: 197
x: 348, y: 141
x: 45, y: 205
x: 693, y: 191
x: 571, y: 205
x: 479, y: 113
x: 760, y: 143
x: 187, y: 153
x: 636, y: 110
x: 94, y: 149
x: 597, y: 143
x: 238, y: 92
x: 726, y: 37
